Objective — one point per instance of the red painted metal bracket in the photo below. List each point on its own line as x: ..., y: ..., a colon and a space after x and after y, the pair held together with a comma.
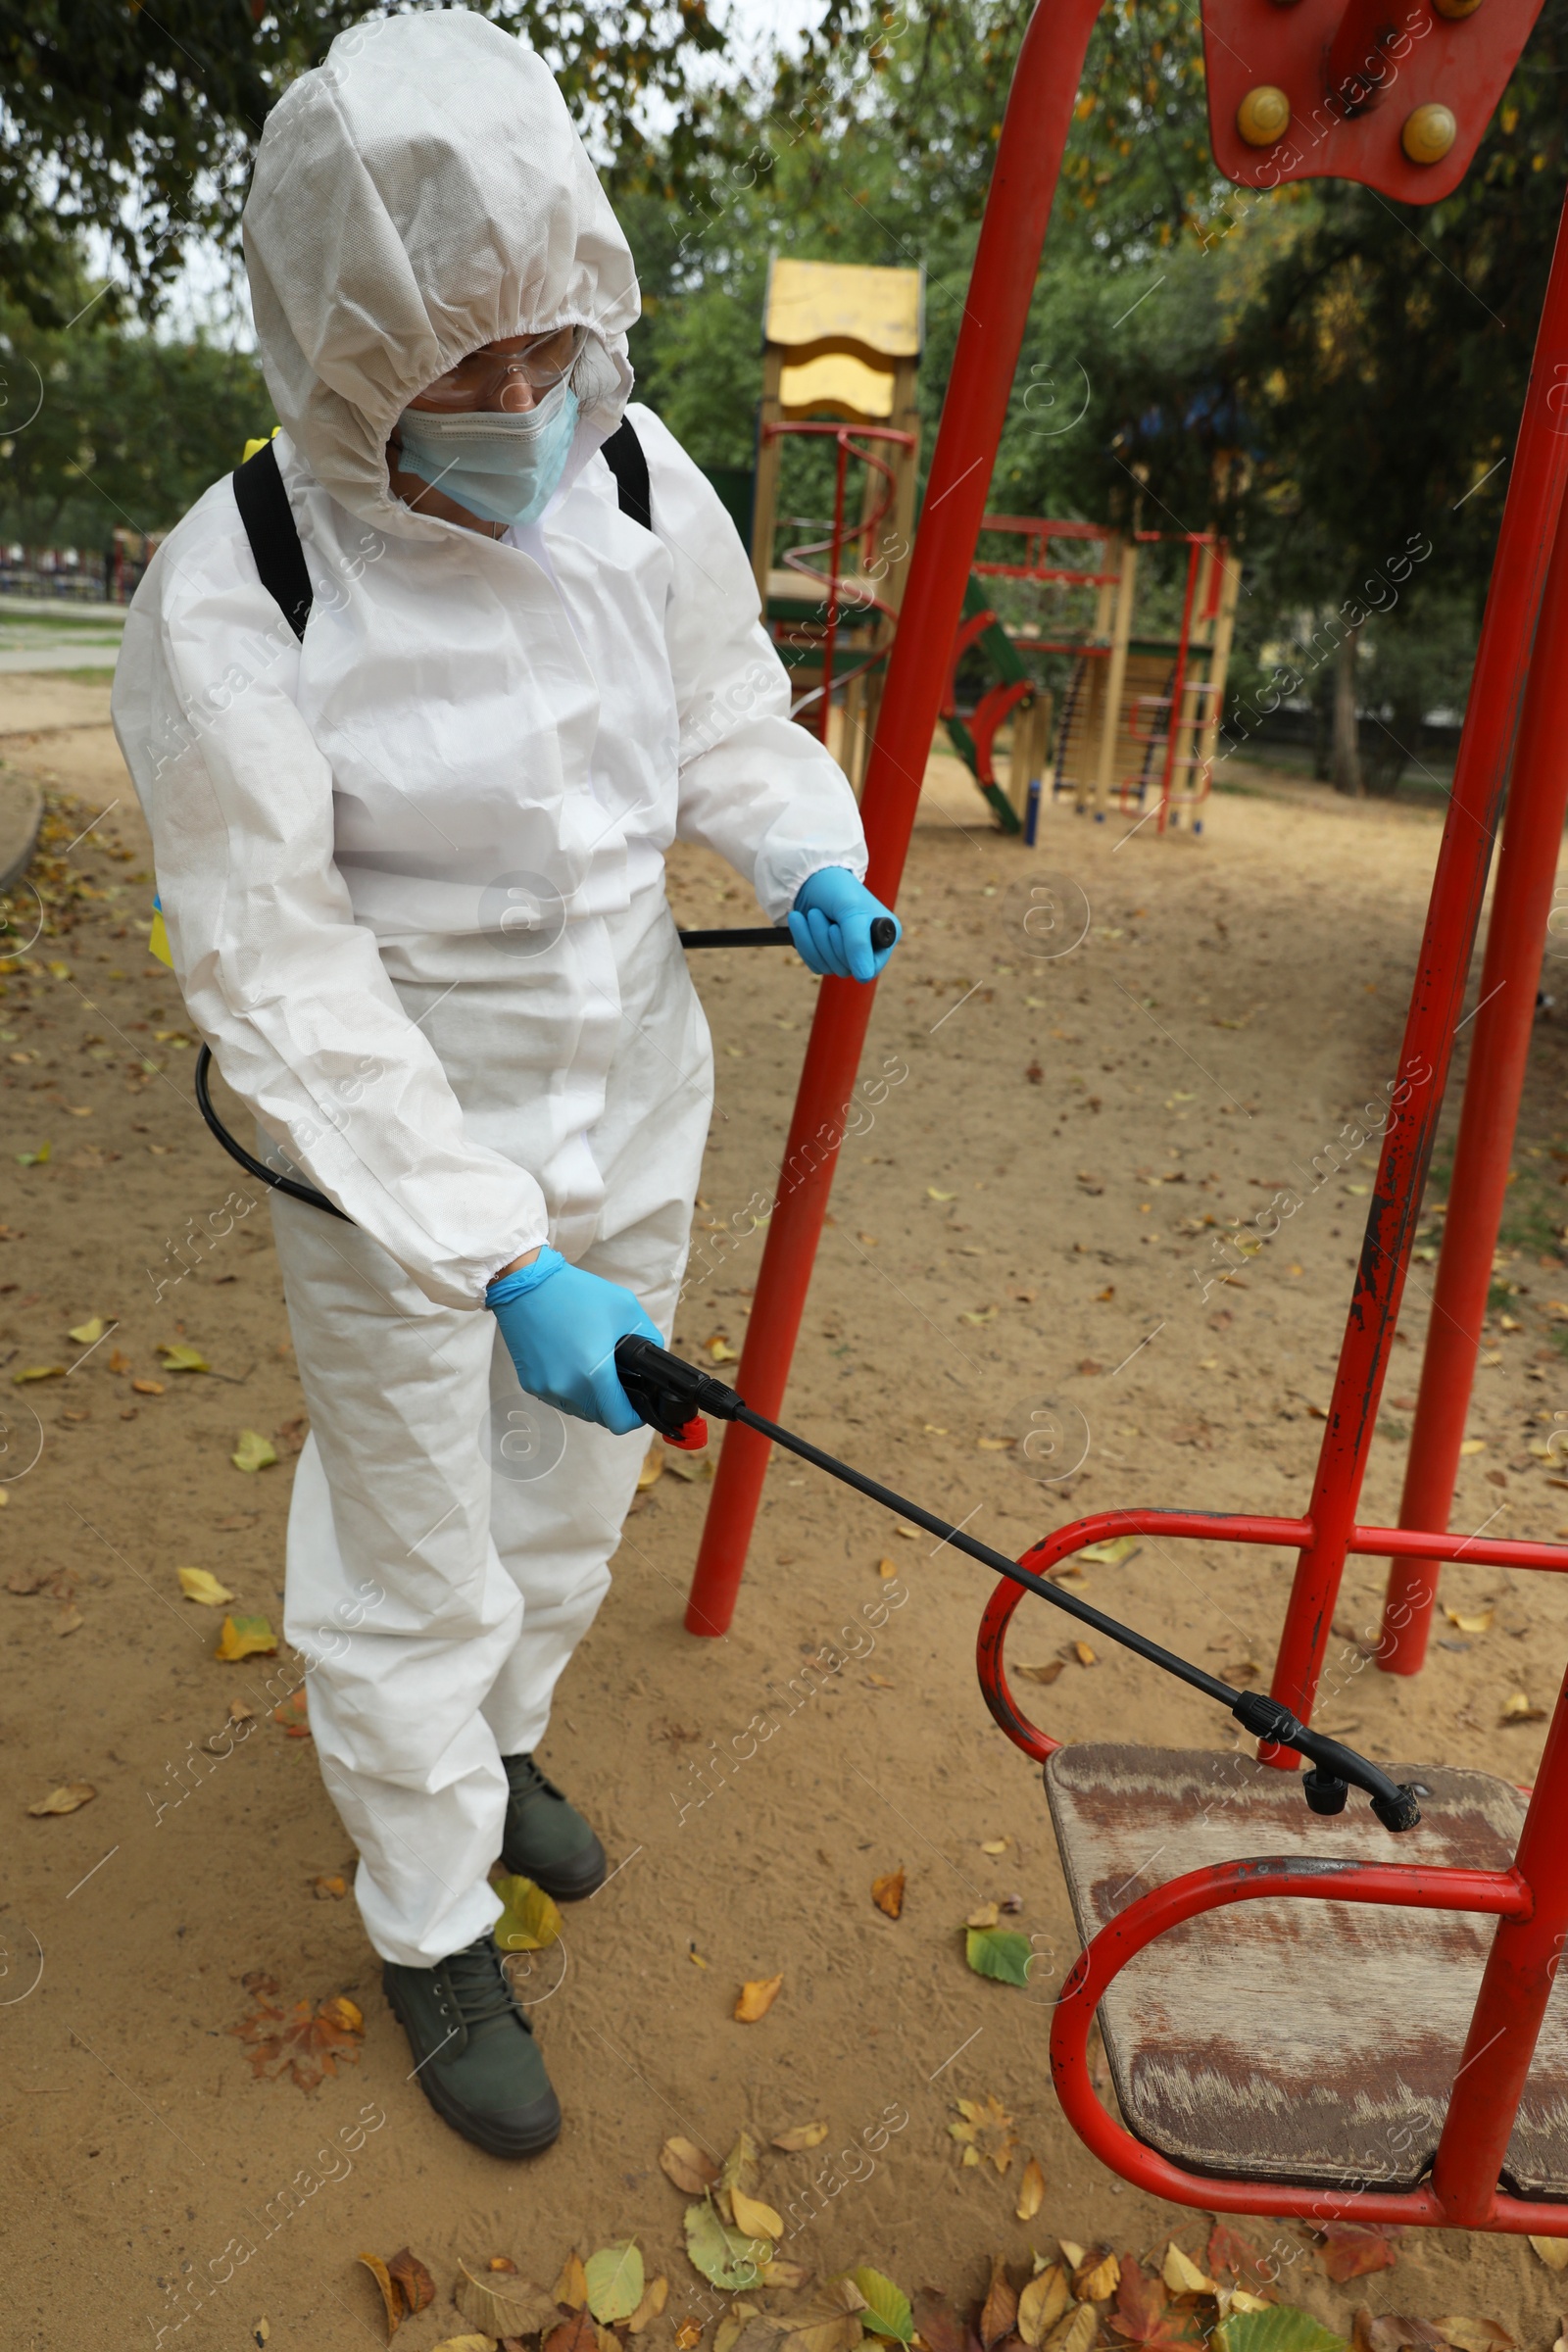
x: 1357, y: 90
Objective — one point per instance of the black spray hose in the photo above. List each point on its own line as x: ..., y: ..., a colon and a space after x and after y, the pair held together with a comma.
x: 672, y: 1395
x: 884, y: 931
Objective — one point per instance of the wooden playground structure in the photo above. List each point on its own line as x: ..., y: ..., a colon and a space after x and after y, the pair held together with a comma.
x: 1328, y: 2033
x: 1138, y: 720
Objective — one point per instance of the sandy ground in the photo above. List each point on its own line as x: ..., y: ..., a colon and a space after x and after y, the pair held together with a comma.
x: 1019, y: 1229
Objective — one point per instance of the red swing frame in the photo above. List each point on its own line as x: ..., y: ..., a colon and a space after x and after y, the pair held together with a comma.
x: 1517, y: 720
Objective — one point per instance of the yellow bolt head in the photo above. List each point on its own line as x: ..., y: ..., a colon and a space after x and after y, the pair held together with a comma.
x: 1456, y: 8
x: 1428, y: 134
x: 1264, y: 116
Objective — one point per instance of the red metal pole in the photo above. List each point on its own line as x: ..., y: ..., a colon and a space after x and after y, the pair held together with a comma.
x: 996, y: 313
x: 1521, y: 1968
x: 1521, y: 907
x: 1525, y: 546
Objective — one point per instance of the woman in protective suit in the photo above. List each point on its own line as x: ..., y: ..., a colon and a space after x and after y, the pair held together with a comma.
x: 412, y: 867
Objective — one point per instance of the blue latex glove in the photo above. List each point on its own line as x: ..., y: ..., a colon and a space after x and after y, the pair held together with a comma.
x: 831, y: 923
x: 560, y: 1326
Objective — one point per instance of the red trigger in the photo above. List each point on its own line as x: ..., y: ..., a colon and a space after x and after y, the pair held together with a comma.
x: 692, y: 1438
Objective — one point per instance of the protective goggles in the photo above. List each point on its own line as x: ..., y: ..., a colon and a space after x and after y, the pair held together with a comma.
x: 484, y: 379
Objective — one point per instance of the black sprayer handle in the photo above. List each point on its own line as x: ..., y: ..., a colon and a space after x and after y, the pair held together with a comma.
x: 672, y: 1395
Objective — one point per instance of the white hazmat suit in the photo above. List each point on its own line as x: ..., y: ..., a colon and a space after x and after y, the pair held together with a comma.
x: 412, y: 871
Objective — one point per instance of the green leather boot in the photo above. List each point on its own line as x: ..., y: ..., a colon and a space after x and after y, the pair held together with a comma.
x: 545, y: 1838
x: 474, y: 2052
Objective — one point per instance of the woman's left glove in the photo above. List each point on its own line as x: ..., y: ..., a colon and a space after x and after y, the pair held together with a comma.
x: 561, y: 1325
x: 831, y: 923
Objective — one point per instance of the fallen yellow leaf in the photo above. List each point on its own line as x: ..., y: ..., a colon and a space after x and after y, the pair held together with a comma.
x: 653, y: 1469
x: 887, y: 1568
x: 1111, y: 1553
x: 993, y: 1845
x: 888, y: 1893
x: 67, y: 1799
x: 1474, y: 1446
x: 684, y: 2162
x: 146, y: 1388
x: 1479, y: 1623
x: 245, y: 1637
x: 1041, y: 2303
x: 179, y: 1358
x: 1554, y: 2252
x: 530, y: 1922
x: 754, y: 2218
x: 1518, y: 1710
x: 253, y: 1451
x: 721, y: 1350
x: 1183, y: 2276
x: 39, y: 1372
x: 85, y: 1334
x: 756, y: 1998
x: 200, y: 1584
x: 1083, y: 1653
x: 571, y: 2287
x: 989, y: 1915
x: 1031, y: 2190
x: 800, y: 2137
x: 932, y: 1194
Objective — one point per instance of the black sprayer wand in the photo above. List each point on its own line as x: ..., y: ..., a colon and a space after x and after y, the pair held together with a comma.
x: 672, y: 1395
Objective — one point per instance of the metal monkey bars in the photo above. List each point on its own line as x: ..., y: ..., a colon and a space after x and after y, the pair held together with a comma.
x: 1395, y: 95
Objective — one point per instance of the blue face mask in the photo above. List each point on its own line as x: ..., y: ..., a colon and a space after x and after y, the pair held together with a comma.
x: 504, y: 466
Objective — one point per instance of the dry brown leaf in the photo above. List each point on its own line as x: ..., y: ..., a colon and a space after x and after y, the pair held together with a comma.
x: 1042, y: 1674
x: 67, y: 1799
x: 653, y: 1469
x: 1031, y: 2190
x: 576, y: 2334
x: 1480, y: 1622
x: 937, y: 2323
x: 414, y: 2282
x: 989, y: 1915
x: 502, y: 2262
x: 1076, y: 2333
x: 1071, y: 2255
x: 1182, y: 2274
x: 799, y: 2136
x: 1083, y: 1653
x: 1096, y: 2277
x: 1041, y: 2303
x: 465, y: 2343
x: 684, y: 2163
x: 782, y: 2273
x: 146, y: 1388
x: 831, y: 2322
x: 752, y: 2218
x: 1479, y: 2335
x: 391, y: 2292
x: 688, y: 2335
x: 756, y: 1997
x: 993, y: 1845
x: 306, y: 2045
x: 1554, y: 2252
x: 887, y: 1568
x: 505, y: 2306
x: 69, y: 1620
x: 1000, y: 2311
x: 888, y: 1893
x: 1357, y: 2249
x: 656, y: 2295
x: 571, y: 2287
x: 1518, y: 1710
x: 986, y: 2133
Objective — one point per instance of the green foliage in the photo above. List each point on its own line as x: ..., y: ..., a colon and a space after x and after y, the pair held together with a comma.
x: 142, y: 123
x: 106, y: 427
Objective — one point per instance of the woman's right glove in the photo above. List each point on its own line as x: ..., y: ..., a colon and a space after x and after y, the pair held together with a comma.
x: 561, y: 1325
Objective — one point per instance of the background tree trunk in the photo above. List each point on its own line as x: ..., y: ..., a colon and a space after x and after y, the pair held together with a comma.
x: 1346, y: 731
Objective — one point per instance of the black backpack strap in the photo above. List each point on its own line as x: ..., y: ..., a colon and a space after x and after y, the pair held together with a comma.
x: 627, y: 461
x: 274, y: 535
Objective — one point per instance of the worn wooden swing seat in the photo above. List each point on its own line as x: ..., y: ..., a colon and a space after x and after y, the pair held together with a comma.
x: 1315, y: 2043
